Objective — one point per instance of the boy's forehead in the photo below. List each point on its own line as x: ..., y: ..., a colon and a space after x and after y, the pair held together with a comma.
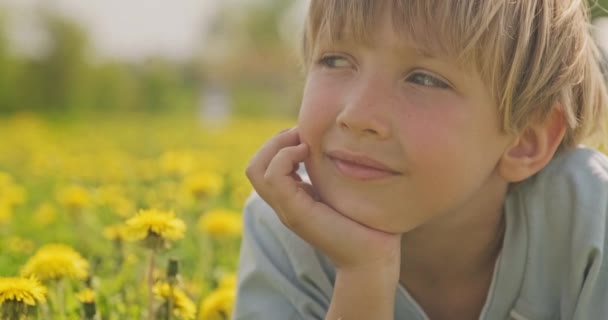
x: 437, y: 29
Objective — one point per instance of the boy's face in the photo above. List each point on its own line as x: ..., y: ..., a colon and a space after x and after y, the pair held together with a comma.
x: 433, y: 127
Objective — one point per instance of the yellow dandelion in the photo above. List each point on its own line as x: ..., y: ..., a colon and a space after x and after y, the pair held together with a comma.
x: 240, y: 188
x: 73, y: 197
x: 177, y: 162
x: 240, y: 193
x: 86, y: 296
x: 204, y: 184
x: 217, y: 305
x: 10, y: 192
x: 183, y: 307
x: 115, y: 232
x: 122, y: 206
x: 228, y: 281
x: 27, y: 291
x: 13, y: 194
x: 195, y: 287
x: 146, y: 169
x: 19, y: 245
x: 45, y: 215
x: 6, y: 179
x: 56, y: 261
x: 163, y: 224
x: 114, y: 197
x: 6, y: 212
x: 221, y: 222
x: 17, y: 294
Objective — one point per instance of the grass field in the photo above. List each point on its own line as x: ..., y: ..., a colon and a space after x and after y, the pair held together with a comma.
x: 93, y: 211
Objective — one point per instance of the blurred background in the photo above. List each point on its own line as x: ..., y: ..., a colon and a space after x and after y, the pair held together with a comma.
x: 149, y: 56
x: 198, y: 57
x: 118, y: 114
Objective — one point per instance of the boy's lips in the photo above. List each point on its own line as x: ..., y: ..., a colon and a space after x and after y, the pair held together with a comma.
x: 359, y: 166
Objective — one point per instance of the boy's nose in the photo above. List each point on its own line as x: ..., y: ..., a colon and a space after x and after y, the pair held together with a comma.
x: 366, y: 113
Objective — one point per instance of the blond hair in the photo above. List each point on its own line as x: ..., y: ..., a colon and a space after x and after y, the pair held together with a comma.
x: 534, y: 55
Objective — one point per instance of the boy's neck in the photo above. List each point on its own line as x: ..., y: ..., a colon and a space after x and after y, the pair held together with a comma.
x: 455, y: 246
x: 447, y: 256
x: 455, y: 255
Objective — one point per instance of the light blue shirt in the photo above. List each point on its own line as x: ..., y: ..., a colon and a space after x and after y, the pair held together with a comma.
x: 552, y: 264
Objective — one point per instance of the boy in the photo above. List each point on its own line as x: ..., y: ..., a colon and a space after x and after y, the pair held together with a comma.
x: 441, y: 139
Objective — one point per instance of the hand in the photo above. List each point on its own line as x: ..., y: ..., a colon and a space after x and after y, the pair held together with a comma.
x: 350, y: 245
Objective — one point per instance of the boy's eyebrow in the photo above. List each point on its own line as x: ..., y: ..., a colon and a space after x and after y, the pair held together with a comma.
x: 397, y: 49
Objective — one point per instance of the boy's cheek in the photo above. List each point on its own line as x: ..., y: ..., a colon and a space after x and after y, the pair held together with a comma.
x: 308, y: 129
x: 317, y: 116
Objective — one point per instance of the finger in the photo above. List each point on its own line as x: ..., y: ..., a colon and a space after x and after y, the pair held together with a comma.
x: 281, y: 182
x: 260, y: 161
x: 282, y: 168
x: 281, y: 140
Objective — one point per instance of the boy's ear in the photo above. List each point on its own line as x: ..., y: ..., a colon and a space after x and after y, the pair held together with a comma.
x: 533, y: 148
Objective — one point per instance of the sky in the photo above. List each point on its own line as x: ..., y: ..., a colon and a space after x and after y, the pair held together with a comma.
x: 127, y: 29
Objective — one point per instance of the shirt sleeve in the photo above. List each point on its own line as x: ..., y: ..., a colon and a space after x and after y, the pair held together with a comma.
x: 592, y: 301
x: 280, y: 276
x: 563, y: 213
x: 573, y: 219
x: 589, y: 243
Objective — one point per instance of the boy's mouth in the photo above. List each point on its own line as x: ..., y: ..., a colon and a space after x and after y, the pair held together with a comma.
x: 360, y: 167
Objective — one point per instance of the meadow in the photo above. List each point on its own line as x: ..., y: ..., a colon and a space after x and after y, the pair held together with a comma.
x: 124, y: 217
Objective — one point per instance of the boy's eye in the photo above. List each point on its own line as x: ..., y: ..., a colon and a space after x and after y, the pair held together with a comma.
x: 427, y: 80
x: 334, y: 62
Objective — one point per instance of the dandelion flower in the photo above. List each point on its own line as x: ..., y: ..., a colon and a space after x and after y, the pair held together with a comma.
x: 12, y: 194
x: 218, y: 304
x: 5, y: 179
x: 155, y: 228
x: 177, y: 162
x: 183, y: 307
x: 221, y: 222
x: 17, y: 244
x: 115, y: 232
x: 115, y: 198
x: 6, y: 212
x: 228, y: 281
x: 162, y: 223
x: 86, y: 296
x: 24, y: 290
x: 45, y: 215
x: 16, y: 294
x: 73, y: 197
x: 56, y: 261
x: 204, y: 184
x: 241, y: 188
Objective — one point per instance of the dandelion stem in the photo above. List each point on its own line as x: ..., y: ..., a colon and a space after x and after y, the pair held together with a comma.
x: 170, y: 301
x: 60, y: 299
x: 44, y: 308
x: 150, y: 285
x: 172, y: 271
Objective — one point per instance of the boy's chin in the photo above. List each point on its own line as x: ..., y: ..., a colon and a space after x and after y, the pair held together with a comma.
x: 373, y: 218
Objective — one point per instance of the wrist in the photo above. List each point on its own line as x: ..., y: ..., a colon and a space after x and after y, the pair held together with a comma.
x: 363, y: 295
x: 377, y: 279
x: 386, y: 270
